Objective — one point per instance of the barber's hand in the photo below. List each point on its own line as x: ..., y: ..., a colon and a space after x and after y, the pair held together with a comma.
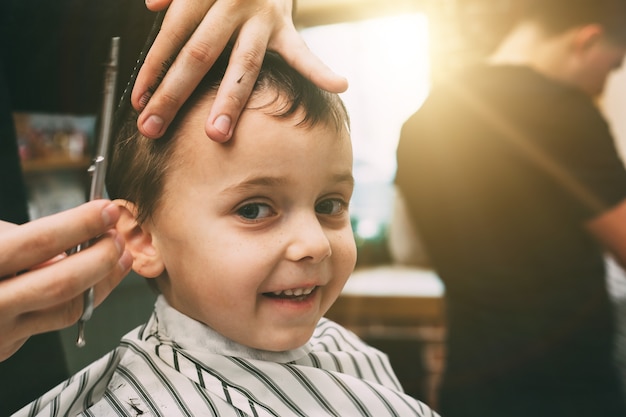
x: 41, y: 289
x: 198, y: 31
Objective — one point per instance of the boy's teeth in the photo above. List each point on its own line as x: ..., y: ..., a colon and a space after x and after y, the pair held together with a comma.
x: 297, y: 292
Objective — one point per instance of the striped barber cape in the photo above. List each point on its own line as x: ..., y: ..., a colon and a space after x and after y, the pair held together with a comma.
x: 176, y: 366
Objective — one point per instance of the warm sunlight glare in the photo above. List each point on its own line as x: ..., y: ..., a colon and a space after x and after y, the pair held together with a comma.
x: 386, y: 61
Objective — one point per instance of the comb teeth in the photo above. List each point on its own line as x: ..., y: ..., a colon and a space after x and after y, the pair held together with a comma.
x: 124, y: 103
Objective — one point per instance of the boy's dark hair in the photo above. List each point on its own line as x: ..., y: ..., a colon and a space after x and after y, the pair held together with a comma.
x: 557, y: 16
x: 138, y: 165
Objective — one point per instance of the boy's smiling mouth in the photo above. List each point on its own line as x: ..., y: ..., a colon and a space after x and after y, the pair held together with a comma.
x: 293, y: 293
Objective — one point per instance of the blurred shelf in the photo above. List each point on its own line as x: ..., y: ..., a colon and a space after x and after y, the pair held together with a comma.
x: 55, y: 163
x: 390, y: 296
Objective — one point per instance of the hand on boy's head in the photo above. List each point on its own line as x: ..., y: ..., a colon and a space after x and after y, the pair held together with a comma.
x: 40, y: 288
x: 196, y: 32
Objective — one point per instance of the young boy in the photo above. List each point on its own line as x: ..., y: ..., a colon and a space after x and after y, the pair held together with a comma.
x: 249, y: 244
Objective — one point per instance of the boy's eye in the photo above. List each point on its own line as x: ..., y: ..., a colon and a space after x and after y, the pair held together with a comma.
x: 255, y: 211
x: 332, y: 207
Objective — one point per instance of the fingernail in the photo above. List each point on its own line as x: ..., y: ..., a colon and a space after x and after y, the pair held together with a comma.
x: 222, y: 124
x: 110, y: 214
x: 153, y: 125
x: 126, y: 261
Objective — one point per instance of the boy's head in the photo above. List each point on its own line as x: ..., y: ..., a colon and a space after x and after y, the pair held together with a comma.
x: 581, y: 41
x: 251, y: 237
x: 556, y: 16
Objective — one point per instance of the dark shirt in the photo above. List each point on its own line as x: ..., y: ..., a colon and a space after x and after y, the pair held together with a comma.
x: 40, y: 363
x: 501, y: 168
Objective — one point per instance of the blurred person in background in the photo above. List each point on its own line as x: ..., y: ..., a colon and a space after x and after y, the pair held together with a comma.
x: 512, y: 179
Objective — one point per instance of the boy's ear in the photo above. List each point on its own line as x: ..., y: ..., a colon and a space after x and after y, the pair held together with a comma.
x: 587, y: 36
x: 147, y: 260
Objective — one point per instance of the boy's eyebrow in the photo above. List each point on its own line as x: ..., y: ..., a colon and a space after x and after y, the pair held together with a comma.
x: 347, y: 177
x: 255, y: 182
x: 279, y: 181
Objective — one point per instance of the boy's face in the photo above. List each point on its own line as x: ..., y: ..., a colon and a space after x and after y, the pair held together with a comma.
x: 601, y: 58
x: 255, y: 234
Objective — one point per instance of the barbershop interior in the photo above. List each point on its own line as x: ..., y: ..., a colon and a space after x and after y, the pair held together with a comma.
x: 393, y: 53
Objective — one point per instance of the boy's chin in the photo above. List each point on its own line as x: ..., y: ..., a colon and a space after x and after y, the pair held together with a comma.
x: 286, y: 342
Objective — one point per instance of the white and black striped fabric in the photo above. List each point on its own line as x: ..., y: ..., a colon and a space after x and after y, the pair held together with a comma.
x: 175, y: 366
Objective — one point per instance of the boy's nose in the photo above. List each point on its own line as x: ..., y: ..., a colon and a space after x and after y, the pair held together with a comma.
x: 308, y: 240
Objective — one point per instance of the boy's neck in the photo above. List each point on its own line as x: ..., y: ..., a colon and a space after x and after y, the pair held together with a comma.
x: 530, y: 46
